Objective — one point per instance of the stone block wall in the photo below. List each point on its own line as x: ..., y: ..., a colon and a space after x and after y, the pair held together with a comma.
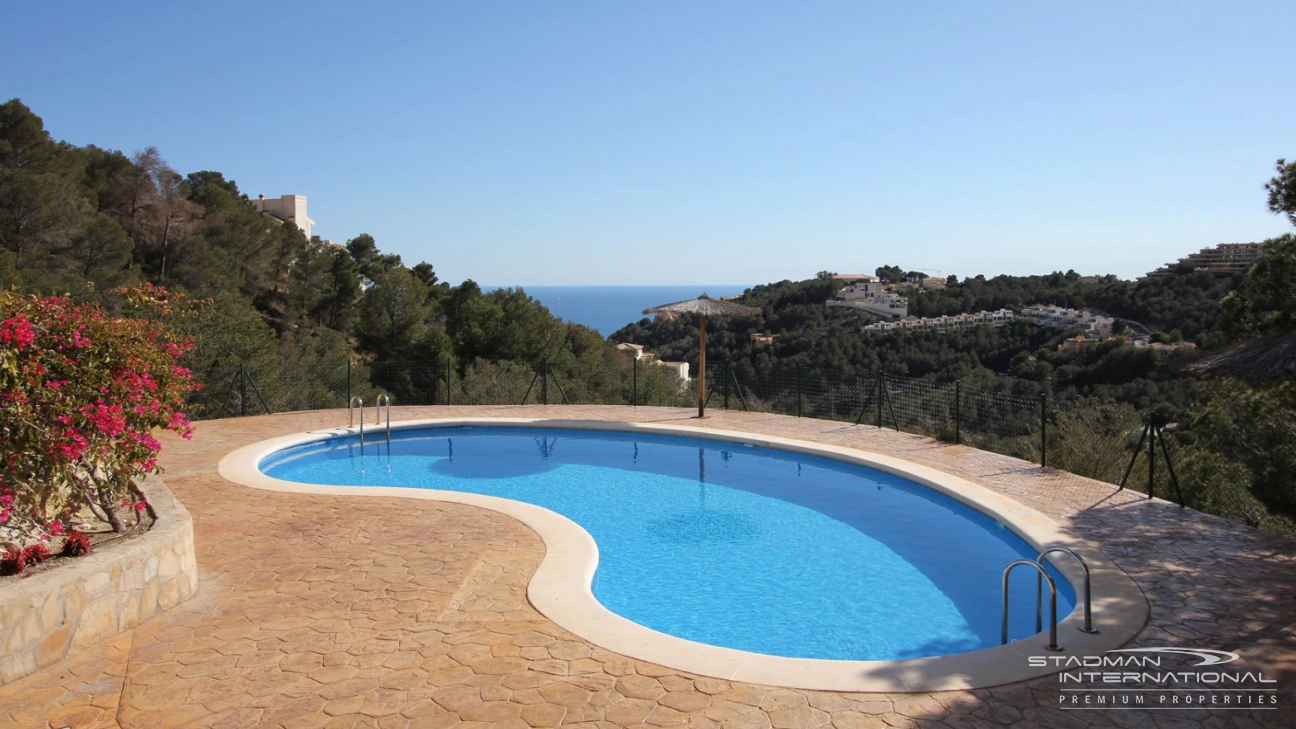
x: 52, y: 615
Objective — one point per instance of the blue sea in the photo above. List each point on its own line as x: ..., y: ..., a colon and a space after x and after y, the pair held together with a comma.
x: 609, y: 308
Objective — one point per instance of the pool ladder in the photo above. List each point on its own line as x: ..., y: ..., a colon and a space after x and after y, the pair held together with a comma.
x: 380, y: 402
x: 1042, y: 575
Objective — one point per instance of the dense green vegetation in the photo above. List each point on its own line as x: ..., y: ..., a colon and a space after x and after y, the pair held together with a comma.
x: 82, y: 221
x: 821, y: 340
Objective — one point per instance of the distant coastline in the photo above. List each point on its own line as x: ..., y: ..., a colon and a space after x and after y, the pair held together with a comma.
x: 609, y: 308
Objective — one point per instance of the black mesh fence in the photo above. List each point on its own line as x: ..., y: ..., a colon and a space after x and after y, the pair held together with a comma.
x: 1093, y: 439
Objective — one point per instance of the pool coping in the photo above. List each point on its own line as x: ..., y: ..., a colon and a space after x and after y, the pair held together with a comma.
x: 560, y: 587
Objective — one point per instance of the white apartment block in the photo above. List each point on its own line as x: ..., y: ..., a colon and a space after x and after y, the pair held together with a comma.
x: 942, y: 324
x: 286, y: 208
x: 1055, y: 316
x: 1224, y: 259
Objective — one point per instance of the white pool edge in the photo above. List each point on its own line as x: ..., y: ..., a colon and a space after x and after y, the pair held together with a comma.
x: 560, y: 587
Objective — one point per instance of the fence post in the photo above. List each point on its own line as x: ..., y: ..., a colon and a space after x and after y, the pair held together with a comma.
x: 242, y: 390
x: 348, y: 379
x: 1043, y: 398
x: 958, y: 412
x: 634, y: 379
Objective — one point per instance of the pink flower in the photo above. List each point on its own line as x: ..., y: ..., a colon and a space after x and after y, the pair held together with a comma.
x: 17, y: 331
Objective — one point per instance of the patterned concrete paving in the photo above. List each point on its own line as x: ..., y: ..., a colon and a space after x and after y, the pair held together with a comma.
x: 319, y: 611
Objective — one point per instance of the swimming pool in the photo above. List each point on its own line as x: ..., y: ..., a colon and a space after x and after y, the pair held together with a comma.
x: 729, y: 544
x: 560, y: 586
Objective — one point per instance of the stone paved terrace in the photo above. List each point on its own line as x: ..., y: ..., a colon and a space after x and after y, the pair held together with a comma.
x: 318, y: 611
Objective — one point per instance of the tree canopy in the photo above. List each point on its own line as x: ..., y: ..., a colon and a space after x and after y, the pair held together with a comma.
x: 81, y: 221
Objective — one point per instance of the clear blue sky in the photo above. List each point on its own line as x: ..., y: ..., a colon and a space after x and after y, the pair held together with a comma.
x: 699, y: 142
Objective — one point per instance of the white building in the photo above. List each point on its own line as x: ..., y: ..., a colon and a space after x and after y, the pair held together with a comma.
x: 872, y: 297
x: 288, y: 208
x: 861, y: 290
x: 1055, y: 316
x: 681, y: 369
x: 1224, y: 259
x: 638, y: 352
x: 942, y: 324
x: 636, y: 349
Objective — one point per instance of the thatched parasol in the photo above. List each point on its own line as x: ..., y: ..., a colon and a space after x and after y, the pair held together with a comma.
x: 704, y: 306
x: 1255, y: 359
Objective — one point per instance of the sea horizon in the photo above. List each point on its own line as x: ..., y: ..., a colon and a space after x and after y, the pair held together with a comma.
x: 608, y: 308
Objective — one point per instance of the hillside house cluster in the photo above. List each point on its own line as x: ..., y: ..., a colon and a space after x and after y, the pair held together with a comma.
x: 1096, y: 326
x: 942, y: 324
x: 866, y: 293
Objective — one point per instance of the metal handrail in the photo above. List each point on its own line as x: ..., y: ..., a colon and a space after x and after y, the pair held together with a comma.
x: 355, y: 401
x: 1052, y: 644
x: 379, y: 402
x: 1084, y: 566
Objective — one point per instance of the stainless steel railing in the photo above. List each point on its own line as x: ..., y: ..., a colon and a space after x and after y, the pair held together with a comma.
x: 1041, y: 577
x: 356, y: 401
x: 379, y: 402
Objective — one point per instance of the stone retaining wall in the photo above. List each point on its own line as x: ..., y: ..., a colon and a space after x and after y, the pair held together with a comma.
x: 49, y: 616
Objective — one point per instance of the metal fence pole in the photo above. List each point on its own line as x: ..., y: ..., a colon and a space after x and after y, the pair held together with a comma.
x: 242, y: 390
x: 348, y: 380
x: 634, y: 381
x: 260, y: 398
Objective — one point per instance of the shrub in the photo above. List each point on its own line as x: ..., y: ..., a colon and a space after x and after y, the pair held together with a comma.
x: 80, y: 393
x: 36, y: 553
x: 75, y: 544
x: 12, y: 562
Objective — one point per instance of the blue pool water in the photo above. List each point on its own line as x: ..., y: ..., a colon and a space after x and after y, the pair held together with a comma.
x: 729, y: 544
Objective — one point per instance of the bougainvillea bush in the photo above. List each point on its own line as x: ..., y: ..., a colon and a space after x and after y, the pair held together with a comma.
x: 80, y: 394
